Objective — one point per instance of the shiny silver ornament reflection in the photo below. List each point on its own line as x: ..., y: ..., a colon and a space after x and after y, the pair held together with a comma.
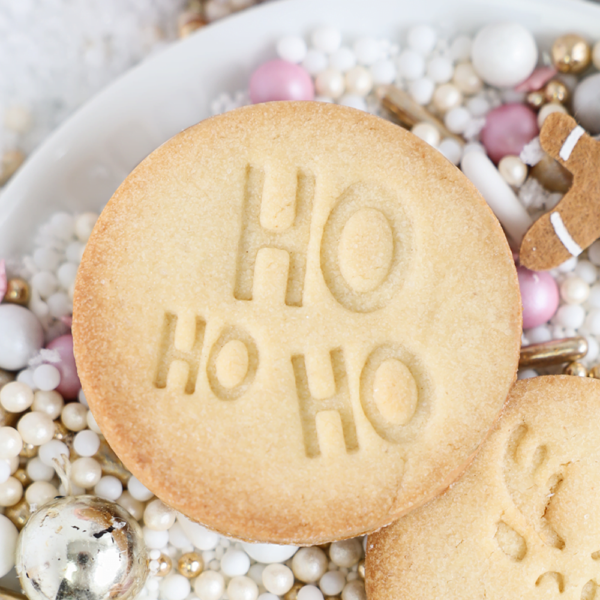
x: 81, y: 548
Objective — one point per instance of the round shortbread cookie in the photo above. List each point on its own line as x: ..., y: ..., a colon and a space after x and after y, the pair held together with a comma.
x: 296, y: 322
x: 523, y: 522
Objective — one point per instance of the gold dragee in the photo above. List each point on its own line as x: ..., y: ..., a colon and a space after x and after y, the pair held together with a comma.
x: 571, y: 53
x: 555, y: 352
x: 17, y: 292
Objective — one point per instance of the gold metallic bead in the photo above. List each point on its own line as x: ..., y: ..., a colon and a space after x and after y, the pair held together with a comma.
x: 7, y: 419
x: 189, y: 22
x: 595, y: 372
x: 536, y: 99
x: 164, y: 566
x: 552, y: 175
x: 555, y: 352
x: 61, y: 433
x: 10, y: 162
x: 292, y: 594
x: 110, y: 463
x: 190, y: 565
x: 28, y: 451
x: 361, y: 569
x: 571, y: 53
x: 21, y: 475
x: 19, y: 513
x: 5, y: 377
x: 556, y: 91
x: 576, y: 369
x: 17, y: 292
x: 10, y: 595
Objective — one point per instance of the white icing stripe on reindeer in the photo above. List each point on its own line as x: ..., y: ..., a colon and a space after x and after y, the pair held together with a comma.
x: 563, y: 235
x: 571, y: 142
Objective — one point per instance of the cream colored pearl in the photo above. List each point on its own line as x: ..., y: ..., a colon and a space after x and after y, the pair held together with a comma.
x: 548, y: 109
x: 74, y: 416
x: 309, y: 564
x: 355, y: 590
x: 446, y: 97
x: 359, y: 81
x: 11, y: 491
x: 159, y: 516
x: 466, y: 79
x: 278, y: 579
x: 50, y: 403
x: 242, y: 588
x: 346, y: 553
x: 36, y: 428
x: 209, y: 586
x: 16, y: 397
x: 39, y: 493
x: 596, y: 55
x: 330, y: 83
x: 427, y: 132
x: 574, y: 290
x: 134, y: 507
x: 11, y: 443
x: 86, y: 472
x: 513, y: 170
x: 91, y: 422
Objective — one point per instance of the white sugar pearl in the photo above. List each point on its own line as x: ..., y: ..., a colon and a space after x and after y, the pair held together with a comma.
x: 60, y: 305
x: 175, y: 587
x: 359, y: 81
x: 26, y: 377
x: 332, y: 583
x: 16, y: 397
x: 574, y: 290
x: 357, y: 102
x: 109, y: 488
x: 138, y: 490
x: 330, y: 83
x: 177, y: 537
x: 22, y: 336
x: 209, y: 586
x: 63, y: 225
x: 309, y: 564
x: 315, y: 62
x: 159, y: 516
x: 38, y: 471
x: 473, y: 147
x: 255, y: 573
x: 46, y: 259
x: 45, y: 283
x: 235, y: 562
x: 345, y: 553
x: 269, y: 553
x: 202, y: 538
x: 451, y: 149
x: 440, y: 69
x: 74, y: 251
x: 343, y: 59
x: 504, y: 54
x: 324, y: 99
x: 11, y: 491
x: 592, y: 321
x: 594, y: 299
x: 570, y: 315
x: 422, y: 38
x: 411, y: 65
x: 421, y: 90
x: 242, y: 588
x: 46, y: 377
x: 67, y: 272
x: 326, y: 39
x: 74, y: 416
x: 86, y: 472
x: 309, y: 592
x: 4, y: 470
x: 594, y: 253
x: 457, y: 119
x: 278, y: 579
x: 446, y: 97
x: 8, y: 545
x: 460, y: 49
x: 593, y: 349
x: 53, y: 449
x: 91, y: 422
x: 84, y: 224
x: 548, y: 109
x: 427, y: 132
x: 478, y: 106
x: 40, y: 492
x: 540, y: 334
x: 48, y: 402
x: 86, y: 443
x: 587, y: 271
x: 155, y: 539
x: 526, y: 374
x: 267, y: 596
x: 36, y: 428
x: 292, y: 48
x: 568, y: 266
x: 383, y: 72
x: 355, y: 590
x: 513, y: 170
x: 82, y: 399
x: 367, y: 51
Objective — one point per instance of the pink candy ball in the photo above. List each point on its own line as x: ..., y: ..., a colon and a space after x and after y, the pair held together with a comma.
x: 280, y: 80
x: 539, y: 296
x: 69, y: 380
x: 507, y: 129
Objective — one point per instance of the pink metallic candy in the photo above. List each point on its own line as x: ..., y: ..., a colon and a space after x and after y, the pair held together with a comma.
x: 539, y: 296
x: 507, y: 129
x: 280, y: 80
x: 69, y: 380
x: 537, y: 80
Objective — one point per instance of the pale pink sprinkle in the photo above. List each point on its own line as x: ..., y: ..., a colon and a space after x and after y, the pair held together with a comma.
x: 3, y: 282
x: 67, y: 320
x: 537, y: 80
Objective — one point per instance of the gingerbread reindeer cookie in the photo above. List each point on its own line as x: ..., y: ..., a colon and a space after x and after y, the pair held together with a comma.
x: 574, y: 224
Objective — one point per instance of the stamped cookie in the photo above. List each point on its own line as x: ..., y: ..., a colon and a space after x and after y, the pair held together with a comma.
x: 524, y: 519
x: 296, y: 322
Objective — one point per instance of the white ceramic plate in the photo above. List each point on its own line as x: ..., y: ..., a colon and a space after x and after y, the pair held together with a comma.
x: 84, y: 161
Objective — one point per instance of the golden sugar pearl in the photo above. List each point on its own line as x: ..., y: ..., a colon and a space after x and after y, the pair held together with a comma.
x: 196, y: 7
x: 361, y: 569
x: 595, y: 372
x: 17, y: 292
x: 161, y: 566
x: 535, y: 99
x: 556, y: 91
x: 21, y: 475
x: 10, y: 162
x: 292, y: 594
x: 571, y: 53
x: 576, y: 369
x: 190, y: 565
x: 61, y: 433
x: 110, y: 463
x: 28, y: 451
x: 19, y: 513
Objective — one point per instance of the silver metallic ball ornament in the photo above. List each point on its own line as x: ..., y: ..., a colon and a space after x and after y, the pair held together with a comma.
x: 81, y: 548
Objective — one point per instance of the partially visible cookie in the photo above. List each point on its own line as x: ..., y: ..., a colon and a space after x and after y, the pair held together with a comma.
x: 296, y: 322
x: 523, y: 522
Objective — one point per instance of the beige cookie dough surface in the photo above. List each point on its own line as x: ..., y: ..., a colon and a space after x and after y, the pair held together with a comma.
x: 523, y: 522
x: 296, y: 322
